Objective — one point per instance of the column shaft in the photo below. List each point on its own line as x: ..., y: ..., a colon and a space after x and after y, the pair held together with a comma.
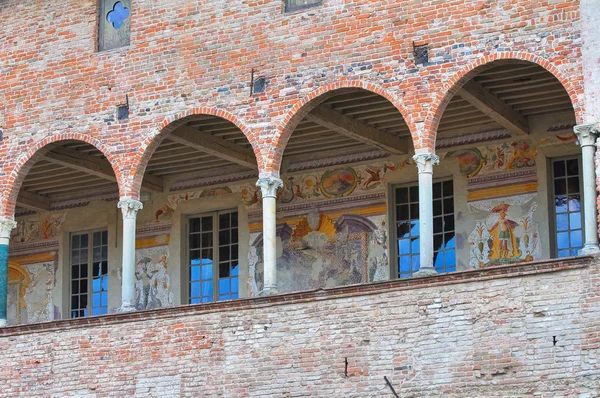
x: 6, y: 226
x: 129, y: 208
x: 587, y: 139
x: 425, y: 164
x: 269, y: 187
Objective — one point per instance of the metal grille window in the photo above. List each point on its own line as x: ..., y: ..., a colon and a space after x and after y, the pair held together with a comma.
x: 89, y: 274
x: 293, y: 5
x: 567, y: 206
x: 407, y: 228
x: 114, y: 26
x: 213, y: 257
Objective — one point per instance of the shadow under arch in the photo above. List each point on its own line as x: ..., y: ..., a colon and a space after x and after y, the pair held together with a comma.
x: 168, y: 125
x: 25, y: 162
x: 468, y: 72
x: 316, y: 97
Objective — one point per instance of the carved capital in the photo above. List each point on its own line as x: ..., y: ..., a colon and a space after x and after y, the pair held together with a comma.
x: 6, y: 227
x: 426, y: 161
x: 129, y: 207
x: 586, y: 134
x: 269, y: 186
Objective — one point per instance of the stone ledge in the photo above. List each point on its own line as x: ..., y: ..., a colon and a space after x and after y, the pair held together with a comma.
x: 476, y: 275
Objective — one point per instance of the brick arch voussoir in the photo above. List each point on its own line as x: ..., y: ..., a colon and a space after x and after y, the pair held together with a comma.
x: 303, y: 106
x: 149, y: 145
x: 25, y: 162
x: 466, y: 73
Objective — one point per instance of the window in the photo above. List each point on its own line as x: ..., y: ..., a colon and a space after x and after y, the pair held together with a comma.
x: 567, y: 206
x: 89, y: 274
x: 114, y: 24
x: 293, y: 5
x: 213, y: 257
x: 407, y: 228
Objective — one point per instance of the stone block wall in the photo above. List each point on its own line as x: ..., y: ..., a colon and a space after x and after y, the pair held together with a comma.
x: 525, y: 330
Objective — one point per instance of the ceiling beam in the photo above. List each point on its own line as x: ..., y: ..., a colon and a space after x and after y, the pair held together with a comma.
x: 344, y: 125
x: 493, y: 107
x: 95, y: 166
x: 31, y: 201
x: 215, y: 146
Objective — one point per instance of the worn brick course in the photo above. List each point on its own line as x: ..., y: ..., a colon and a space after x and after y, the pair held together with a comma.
x: 482, y: 333
x: 196, y: 57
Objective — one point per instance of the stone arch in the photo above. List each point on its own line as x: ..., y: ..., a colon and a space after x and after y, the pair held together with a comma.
x: 149, y: 145
x: 451, y: 86
x: 25, y: 162
x: 306, y: 104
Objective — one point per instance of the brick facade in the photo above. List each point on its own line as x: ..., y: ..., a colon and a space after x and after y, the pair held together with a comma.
x: 188, y: 58
x: 526, y: 330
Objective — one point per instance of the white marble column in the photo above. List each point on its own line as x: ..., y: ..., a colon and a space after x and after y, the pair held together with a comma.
x: 587, y: 139
x: 129, y: 207
x: 6, y: 227
x: 269, y: 187
x: 425, y: 163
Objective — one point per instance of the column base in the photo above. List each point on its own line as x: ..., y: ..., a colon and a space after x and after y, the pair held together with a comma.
x: 3, y: 323
x: 589, y: 249
x: 425, y: 272
x: 270, y: 291
x: 127, y: 308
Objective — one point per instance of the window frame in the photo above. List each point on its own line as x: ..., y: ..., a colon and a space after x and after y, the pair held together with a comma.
x: 90, y: 277
x: 392, y: 214
x: 185, y: 274
x: 287, y: 9
x: 101, y: 22
x: 552, y: 204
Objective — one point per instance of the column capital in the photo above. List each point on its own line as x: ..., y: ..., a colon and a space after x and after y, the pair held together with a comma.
x: 586, y: 134
x: 6, y: 227
x: 269, y: 186
x: 426, y: 161
x: 129, y: 207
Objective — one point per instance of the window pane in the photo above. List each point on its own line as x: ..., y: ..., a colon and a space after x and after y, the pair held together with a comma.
x: 560, y: 186
x: 573, y: 167
x: 559, y: 168
x: 562, y: 240
x: 224, y: 270
x: 562, y: 222
x: 207, y: 224
x: 401, y: 195
x: 575, y: 220
x: 194, y: 225
x: 207, y: 273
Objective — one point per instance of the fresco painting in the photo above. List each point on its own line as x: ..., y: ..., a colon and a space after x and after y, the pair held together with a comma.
x: 153, y: 284
x: 319, y: 251
x: 493, y: 159
x: 32, y: 229
x: 505, y: 231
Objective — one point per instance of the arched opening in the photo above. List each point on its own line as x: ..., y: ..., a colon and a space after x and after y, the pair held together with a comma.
x: 342, y: 147
x: 64, y: 171
x: 208, y: 170
x: 65, y: 197
x: 507, y: 145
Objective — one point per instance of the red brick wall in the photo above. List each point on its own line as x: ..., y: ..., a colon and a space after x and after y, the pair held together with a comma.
x: 526, y: 330
x: 195, y: 57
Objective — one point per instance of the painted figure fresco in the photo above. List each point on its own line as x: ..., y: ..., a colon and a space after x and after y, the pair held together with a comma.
x: 502, y: 234
x: 505, y: 231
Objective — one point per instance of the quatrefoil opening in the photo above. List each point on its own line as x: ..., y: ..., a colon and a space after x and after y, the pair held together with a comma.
x: 118, y: 15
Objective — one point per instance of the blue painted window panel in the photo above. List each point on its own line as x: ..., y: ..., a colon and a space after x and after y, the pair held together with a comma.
x: 215, y: 237
x: 408, y: 234
x: 89, y: 295
x: 567, y: 207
